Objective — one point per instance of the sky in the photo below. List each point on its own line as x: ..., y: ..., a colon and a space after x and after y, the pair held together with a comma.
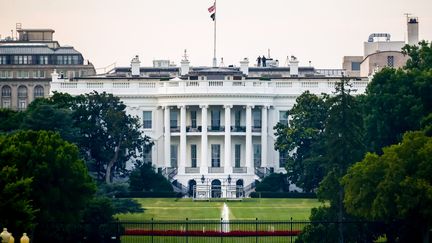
x: 114, y: 31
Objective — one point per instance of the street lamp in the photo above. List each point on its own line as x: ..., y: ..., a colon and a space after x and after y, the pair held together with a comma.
x: 229, y: 179
x: 202, y: 179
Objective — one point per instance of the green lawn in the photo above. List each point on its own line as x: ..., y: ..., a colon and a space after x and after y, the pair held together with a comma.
x: 263, y: 209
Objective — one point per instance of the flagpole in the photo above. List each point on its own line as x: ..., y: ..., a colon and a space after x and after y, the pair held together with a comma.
x: 214, y: 41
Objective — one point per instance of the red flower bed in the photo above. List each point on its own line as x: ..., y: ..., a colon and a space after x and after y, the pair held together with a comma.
x: 211, y: 233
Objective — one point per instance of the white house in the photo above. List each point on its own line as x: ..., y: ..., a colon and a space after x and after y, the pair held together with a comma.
x: 212, y: 127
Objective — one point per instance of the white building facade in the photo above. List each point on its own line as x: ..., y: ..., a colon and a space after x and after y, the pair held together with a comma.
x: 212, y: 128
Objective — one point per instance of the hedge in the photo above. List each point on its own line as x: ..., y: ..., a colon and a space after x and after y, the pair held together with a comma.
x: 148, y: 195
x: 282, y: 195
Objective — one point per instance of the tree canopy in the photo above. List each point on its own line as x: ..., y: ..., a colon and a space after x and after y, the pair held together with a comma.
x: 395, y: 186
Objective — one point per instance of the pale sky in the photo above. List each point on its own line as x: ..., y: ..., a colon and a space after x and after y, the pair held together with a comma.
x: 114, y: 31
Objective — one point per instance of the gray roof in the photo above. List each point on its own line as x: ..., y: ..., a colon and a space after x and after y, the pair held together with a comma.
x: 36, y: 50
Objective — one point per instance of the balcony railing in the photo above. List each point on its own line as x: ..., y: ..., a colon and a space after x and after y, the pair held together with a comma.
x: 216, y: 128
x: 238, y: 129
x: 256, y: 129
x: 192, y: 170
x: 175, y: 129
x: 193, y: 129
x: 216, y: 170
x: 242, y: 170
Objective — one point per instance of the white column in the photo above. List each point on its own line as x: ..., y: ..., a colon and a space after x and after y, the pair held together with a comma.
x: 249, y: 160
x: 228, y: 165
x: 264, y: 129
x: 204, y: 142
x: 167, y: 137
x: 182, y: 164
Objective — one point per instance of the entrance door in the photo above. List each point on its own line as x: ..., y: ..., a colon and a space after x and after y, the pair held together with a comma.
x: 191, y: 191
x: 216, y: 189
x: 239, y: 188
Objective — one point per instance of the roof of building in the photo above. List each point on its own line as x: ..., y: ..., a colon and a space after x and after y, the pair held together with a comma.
x: 31, y: 49
x: 36, y: 30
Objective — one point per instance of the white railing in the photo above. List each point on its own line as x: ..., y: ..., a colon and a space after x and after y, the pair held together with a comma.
x: 156, y: 87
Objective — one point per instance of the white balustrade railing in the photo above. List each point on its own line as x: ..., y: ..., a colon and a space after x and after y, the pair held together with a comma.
x: 155, y: 87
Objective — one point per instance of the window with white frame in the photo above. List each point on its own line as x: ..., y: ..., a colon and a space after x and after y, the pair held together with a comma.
x: 283, y: 117
x: 193, y: 155
x: 257, y: 155
x: 147, y: 119
x: 174, y: 155
x: 215, y: 155
x: 38, y: 92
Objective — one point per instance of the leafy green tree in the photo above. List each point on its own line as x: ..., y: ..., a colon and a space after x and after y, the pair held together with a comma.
x: 395, y: 187
x: 144, y: 178
x: 60, y: 186
x: 397, y: 100
x: 10, y: 120
x: 51, y: 118
x: 302, y: 139
x: 273, y: 183
x: 16, y: 209
x: 109, y: 136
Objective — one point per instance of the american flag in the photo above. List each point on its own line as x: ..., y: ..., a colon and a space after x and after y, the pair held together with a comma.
x: 212, y: 8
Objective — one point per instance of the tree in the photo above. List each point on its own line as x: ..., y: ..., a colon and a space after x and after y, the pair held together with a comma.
x: 144, y: 178
x: 51, y: 118
x: 395, y: 187
x: 16, y: 209
x: 10, y: 120
x: 398, y: 99
x: 109, y: 136
x: 60, y: 186
x: 302, y: 140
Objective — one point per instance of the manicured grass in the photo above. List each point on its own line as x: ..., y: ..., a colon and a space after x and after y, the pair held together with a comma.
x: 261, y: 208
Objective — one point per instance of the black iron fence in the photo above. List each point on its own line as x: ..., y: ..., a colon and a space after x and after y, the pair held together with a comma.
x: 203, y: 231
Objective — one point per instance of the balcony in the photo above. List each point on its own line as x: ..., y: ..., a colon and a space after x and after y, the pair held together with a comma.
x: 175, y: 129
x: 240, y: 170
x: 216, y: 128
x: 238, y: 129
x: 192, y: 170
x: 193, y: 129
x: 256, y: 129
x: 215, y: 170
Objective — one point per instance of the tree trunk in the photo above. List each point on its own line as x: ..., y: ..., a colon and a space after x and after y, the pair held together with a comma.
x: 111, y: 164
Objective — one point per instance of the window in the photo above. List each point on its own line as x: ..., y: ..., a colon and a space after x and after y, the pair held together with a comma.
x: 43, y: 60
x: 257, y: 155
x: 59, y: 60
x: 75, y: 60
x: 39, y: 74
x: 147, y: 154
x: 237, y: 155
x: 6, y: 103
x: 147, y: 119
x: 173, y: 118
x: 193, y: 155
x: 3, y: 60
x: 38, y: 92
x: 193, y: 119
x: 390, y: 61
x: 215, y: 155
x: 283, y: 117
x: 355, y: 66
x: 215, y: 118
x: 256, y: 114
x: 6, y: 91
x: 22, y: 104
x: 237, y: 118
x: 174, y: 155
x: 22, y: 91
x: 5, y: 74
x: 283, y: 156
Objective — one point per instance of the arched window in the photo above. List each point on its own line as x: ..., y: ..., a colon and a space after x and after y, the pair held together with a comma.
x: 38, y: 92
x: 22, y: 97
x: 22, y: 91
x: 6, y: 91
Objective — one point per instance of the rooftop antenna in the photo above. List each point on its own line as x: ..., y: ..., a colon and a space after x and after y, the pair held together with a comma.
x: 18, y: 26
x: 269, y: 53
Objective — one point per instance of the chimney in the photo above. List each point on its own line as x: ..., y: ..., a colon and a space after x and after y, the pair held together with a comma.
x: 135, y: 66
x: 244, y: 66
x: 184, y: 64
x: 294, y: 66
x: 413, y: 30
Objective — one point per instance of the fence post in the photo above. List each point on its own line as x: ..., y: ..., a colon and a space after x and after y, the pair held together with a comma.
x: 187, y: 234
x: 291, y: 230
x: 221, y: 231
x: 152, y: 227
x: 256, y: 230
